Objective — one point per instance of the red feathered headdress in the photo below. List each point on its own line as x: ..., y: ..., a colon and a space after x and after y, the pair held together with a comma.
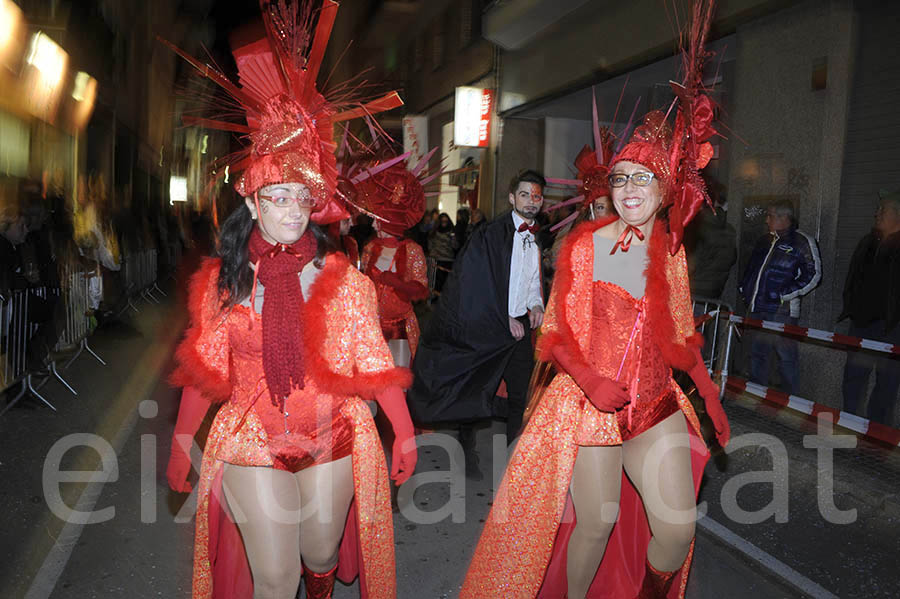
x: 394, y: 193
x: 676, y: 155
x: 289, y: 123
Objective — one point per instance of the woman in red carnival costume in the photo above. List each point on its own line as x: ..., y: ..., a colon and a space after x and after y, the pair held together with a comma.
x: 396, y: 264
x: 286, y: 336
x: 599, y: 498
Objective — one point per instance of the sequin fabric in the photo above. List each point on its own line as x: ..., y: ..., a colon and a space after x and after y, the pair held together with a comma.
x: 318, y: 426
x: 373, y: 503
x: 615, y: 313
x: 398, y: 319
x: 517, y: 541
x: 311, y: 430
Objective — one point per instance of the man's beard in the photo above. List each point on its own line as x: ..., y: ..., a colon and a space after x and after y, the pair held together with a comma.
x: 529, y: 212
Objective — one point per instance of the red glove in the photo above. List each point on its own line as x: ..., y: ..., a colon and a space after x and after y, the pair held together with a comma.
x: 191, y: 412
x: 710, y: 394
x: 606, y: 394
x: 409, y: 290
x: 403, y: 454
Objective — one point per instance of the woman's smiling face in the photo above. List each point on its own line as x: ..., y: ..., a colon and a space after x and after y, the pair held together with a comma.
x: 636, y: 205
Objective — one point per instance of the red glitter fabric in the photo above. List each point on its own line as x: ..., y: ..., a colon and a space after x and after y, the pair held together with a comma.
x: 614, y: 311
x: 395, y: 309
x: 278, y: 268
x: 395, y: 195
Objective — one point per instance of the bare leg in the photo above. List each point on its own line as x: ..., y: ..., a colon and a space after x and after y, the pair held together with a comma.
x: 266, y: 506
x: 595, y: 487
x: 326, y: 492
x: 658, y: 462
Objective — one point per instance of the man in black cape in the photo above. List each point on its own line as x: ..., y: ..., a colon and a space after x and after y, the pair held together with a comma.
x: 480, y: 332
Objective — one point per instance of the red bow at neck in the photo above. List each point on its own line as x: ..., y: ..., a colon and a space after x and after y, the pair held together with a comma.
x: 278, y: 268
x: 530, y: 228
x: 624, y: 240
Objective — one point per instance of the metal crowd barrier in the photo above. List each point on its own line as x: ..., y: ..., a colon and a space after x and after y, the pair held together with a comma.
x: 139, y: 270
x: 16, y: 332
x: 79, y: 323
x: 726, y: 324
x: 717, y: 331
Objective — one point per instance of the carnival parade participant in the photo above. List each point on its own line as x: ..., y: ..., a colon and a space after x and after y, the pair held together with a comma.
x: 599, y: 497
x: 480, y: 333
x: 396, y: 264
x: 286, y: 335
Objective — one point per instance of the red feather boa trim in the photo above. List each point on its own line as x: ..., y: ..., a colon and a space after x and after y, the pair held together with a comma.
x: 315, y: 330
x: 191, y: 369
x: 662, y: 327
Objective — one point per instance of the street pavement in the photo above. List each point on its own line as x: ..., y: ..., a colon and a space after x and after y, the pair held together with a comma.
x: 143, y: 549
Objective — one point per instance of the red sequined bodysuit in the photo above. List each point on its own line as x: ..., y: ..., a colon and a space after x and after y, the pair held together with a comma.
x: 617, y: 316
x: 312, y: 430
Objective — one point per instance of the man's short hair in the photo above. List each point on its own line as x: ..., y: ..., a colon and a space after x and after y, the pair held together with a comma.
x: 783, y: 208
x: 890, y: 198
x: 527, y: 176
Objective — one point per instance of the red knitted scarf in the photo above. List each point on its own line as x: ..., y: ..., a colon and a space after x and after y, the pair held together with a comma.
x: 278, y: 269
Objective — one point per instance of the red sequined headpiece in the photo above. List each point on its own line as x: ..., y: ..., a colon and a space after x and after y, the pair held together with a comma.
x: 677, y: 154
x: 289, y: 123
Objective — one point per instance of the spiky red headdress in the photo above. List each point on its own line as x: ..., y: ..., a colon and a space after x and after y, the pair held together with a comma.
x: 289, y: 123
x: 676, y: 155
x: 394, y: 193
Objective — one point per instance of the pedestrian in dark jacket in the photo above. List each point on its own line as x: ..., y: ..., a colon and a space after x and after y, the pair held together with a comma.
x: 872, y: 303
x: 783, y: 267
x: 711, y: 246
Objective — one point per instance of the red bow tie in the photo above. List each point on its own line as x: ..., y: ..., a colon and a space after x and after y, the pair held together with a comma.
x: 530, y: 228
x: 624, y: 240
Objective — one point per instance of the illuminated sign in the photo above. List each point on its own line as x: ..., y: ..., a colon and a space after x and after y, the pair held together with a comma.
x: 177, y: 189
x: 48, y: 66
x: 472, y: 116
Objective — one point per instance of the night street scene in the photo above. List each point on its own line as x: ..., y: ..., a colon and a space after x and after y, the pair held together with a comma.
x: 449, y: 299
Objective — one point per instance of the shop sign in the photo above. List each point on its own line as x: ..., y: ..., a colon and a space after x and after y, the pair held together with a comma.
x: 472, y: 116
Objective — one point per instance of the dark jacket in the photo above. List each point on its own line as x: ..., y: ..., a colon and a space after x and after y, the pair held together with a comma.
x: 710, y: 243
x: 872, y: 288
x: 467, y: 343
x: 781, y: 269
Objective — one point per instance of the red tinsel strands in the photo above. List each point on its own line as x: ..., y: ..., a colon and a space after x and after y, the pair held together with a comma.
x: 677, y: 155
x: 289, y: 123
x: 278, y: 268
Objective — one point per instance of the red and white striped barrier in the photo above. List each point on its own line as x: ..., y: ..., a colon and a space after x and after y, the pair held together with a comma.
x: 866, y: 428
x: 827, y: 336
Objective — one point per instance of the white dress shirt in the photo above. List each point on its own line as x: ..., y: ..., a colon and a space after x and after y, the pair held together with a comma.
x: 524, y: 272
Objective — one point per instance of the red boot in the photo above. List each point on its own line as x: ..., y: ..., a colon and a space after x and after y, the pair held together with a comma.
x: 656, y: 584
x: 319, y: 586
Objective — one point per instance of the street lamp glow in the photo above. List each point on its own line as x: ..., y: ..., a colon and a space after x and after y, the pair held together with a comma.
x: 177, y: 189
x: 82, y: 82
x: 47, y: 57
x: 10, y: 21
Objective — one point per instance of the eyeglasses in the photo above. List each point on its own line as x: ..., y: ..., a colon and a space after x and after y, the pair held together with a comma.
x: 285, y: 201
x: 641, y: 179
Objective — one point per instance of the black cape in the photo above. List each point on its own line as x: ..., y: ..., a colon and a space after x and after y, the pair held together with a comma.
x: 465, y: 347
